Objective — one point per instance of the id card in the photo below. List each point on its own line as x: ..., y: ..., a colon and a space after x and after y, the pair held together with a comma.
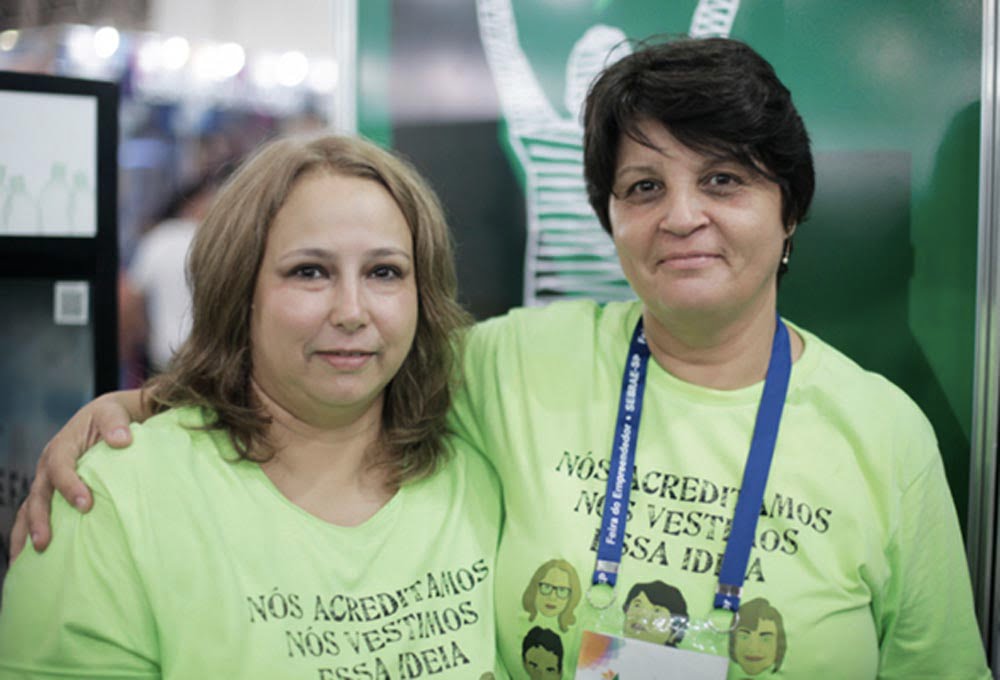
x: 609, y: 657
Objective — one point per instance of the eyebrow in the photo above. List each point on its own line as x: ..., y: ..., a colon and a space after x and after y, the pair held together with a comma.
x: 326, y: 254
x: 640, y: 169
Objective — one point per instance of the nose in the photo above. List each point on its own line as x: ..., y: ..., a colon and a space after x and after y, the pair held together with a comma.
x: 348, y: 311
x: 683, y: 211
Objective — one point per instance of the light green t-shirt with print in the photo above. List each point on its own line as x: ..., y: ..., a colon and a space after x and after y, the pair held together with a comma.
x: 191, y: 566
x: 857, y: 569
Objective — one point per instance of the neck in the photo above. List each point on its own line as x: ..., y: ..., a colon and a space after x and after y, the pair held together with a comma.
x: 724, y: 352
x: 329, y: 471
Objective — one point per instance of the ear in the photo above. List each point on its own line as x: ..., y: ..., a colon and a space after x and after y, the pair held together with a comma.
x: 790, y: 229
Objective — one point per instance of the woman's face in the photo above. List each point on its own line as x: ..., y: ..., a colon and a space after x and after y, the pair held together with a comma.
x: 335, y: 305
x: 695, y: 234
x: 553, y: 593
x: 647, y: 621
x: 757, y: 649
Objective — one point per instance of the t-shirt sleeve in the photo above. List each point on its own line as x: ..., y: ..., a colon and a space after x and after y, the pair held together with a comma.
x: 79, y: 609
x: 927, y: 624
x: 468, y: 413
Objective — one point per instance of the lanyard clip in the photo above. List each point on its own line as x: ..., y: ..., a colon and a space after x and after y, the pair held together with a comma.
x: 727, y: 596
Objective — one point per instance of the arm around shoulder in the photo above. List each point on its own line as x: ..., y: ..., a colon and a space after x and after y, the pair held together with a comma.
x: 78, y: 610
x: 103, y: 419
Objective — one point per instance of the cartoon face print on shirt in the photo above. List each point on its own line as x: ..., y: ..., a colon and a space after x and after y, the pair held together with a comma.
x: 758, y: 643
x: 655, y: 612
x: 542, y: 654
x: 554, y: 592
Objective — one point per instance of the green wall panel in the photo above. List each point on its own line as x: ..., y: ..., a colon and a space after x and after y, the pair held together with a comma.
x: 374, y: 54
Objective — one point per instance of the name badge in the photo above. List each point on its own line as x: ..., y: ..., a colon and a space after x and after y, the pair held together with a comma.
x: 610, y: 657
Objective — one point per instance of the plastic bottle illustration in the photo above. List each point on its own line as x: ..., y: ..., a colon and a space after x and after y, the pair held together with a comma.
x: 20, y: 216
x: 567, y: 252
x: 83, y: 218
x: 53, y: 203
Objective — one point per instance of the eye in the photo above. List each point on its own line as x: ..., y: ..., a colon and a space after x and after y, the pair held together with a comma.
x: 724, y: 182
x: 643, y: 186
x: 386, y: 271
x: 308, y: 271
x: 640, y: 191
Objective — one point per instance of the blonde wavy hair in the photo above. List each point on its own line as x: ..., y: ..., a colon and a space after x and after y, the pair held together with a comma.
x: 213, y: 368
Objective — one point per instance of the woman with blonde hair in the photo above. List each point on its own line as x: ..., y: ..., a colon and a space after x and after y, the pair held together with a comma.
x: 296, y: 507
x: 553, y: 591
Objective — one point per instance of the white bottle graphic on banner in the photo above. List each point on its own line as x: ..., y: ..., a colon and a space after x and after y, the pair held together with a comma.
x: 83, y: 218
x: 53, y: 202
x: 20, y: 216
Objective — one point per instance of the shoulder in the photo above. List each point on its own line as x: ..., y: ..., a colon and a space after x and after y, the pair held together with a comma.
x: 863, y: 402
x: 464, y: 479
x: 466, y: 461
x: 826, y: 366
x: 168, y: 446
x: 462, y: 465
x: 555, y: 326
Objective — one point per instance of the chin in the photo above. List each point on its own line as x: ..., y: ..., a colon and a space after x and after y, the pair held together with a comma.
x: 347, y: 396
x: 687, y: 305
x: 687, y: 295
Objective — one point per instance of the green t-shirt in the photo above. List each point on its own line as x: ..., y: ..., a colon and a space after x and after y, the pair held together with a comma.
x: 857, y: 569
x: 190, y: 566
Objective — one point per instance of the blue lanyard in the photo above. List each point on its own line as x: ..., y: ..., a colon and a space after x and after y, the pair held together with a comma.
x: 755, y: 473
x: 612, y: 538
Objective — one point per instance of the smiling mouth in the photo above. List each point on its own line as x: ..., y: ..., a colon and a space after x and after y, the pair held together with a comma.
x: 688, y: 260
x: 348, y: 359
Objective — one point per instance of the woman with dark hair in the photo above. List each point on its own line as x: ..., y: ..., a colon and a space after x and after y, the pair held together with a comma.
x: 768, y: 465
x: 295, y: 508
x: 695, y: 437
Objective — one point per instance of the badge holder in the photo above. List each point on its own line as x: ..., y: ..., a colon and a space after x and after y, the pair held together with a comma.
x: 644, y: 646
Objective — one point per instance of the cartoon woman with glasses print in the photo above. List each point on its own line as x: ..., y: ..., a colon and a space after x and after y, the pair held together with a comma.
x: 554, y: 591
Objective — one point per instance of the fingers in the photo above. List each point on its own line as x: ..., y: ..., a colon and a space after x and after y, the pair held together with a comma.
x: 19, y: 532
x: 119, y: 437
x: 104, y: 418
x: 61, y: 470
x: 109, y: 422
x: 36, y: 508
x: 107, y: 418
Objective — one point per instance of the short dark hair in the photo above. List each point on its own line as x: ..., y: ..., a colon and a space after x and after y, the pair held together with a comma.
x: 546, y: 639
x: 716, y: 96
x: 663, y: 595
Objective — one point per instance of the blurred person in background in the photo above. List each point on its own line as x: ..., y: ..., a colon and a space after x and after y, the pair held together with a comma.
x: 154, y: 297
